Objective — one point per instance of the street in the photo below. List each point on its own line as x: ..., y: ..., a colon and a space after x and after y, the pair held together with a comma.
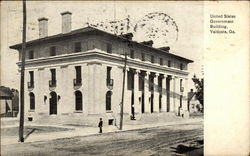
x: 150, y: 141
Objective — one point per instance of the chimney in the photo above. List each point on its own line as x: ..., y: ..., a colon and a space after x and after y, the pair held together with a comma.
x: 166, y: 49
x: 128, y: 36
x: 148, y: 43
x: 43, y: 27
x: 66, y: 22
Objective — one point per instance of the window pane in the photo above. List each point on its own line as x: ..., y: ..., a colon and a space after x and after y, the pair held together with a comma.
x: 132, y: 53
x: 32, y: 101
x: 169, y: 63
x: 53, y: 74
x: 78, y: 72
x: 142, y: 56
x: 31, y: 54
x: 152, y: 59
x: 53, y: 51
x: 31, y: 76
x: 109, y: 48
x: 78, y: 47
x: 108, y: 100
x: 78, y: 100
x: 109, y: 72
x: 161, y: 61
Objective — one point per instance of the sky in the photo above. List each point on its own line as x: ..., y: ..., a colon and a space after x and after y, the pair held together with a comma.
x: 186, y: 16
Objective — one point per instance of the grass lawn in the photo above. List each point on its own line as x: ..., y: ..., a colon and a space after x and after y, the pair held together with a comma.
x: 13, y: 131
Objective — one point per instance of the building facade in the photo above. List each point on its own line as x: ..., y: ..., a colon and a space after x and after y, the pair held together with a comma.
x: 78, y: 74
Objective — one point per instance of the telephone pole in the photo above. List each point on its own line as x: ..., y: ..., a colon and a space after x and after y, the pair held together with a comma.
x: 123, y: 88
x: 21, y: 123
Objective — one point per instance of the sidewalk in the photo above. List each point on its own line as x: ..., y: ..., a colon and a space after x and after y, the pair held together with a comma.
x: 86, y: 131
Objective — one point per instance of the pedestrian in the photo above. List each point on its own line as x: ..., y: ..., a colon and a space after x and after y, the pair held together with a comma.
x: 100, y: 125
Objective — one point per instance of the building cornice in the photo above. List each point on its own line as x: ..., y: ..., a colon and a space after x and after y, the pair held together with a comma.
x: 97, y: 56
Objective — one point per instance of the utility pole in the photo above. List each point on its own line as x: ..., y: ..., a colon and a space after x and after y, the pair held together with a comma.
x: 21, y: 123
x: 123, y: 88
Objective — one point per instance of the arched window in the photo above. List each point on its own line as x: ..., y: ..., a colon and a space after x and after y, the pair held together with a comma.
x: 108, y: 100
x: 78, y: 100
x: 32, y: 101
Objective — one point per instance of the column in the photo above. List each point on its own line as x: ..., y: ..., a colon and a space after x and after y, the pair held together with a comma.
x: 156, y: 93
x: 172, y: 93
x: 177, y: 96
x: 137, y: 94
x: 100, y: 94
x: 127, y: 96
x: 117, y: 75
x: 85, y: 90
x: 164, y: 94
x: 147, y: 94
x: 91, y: 88
x: 185, y: 94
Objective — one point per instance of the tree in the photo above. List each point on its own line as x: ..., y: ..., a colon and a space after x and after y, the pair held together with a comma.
x: 199, y: 83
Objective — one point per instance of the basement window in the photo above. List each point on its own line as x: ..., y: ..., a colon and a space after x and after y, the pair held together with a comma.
x: 110, y: 121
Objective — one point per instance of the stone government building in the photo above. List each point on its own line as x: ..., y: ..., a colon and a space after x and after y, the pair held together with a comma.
x: 77, y: 76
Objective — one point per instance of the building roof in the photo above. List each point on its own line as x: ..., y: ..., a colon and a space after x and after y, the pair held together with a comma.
x: 91, y: 29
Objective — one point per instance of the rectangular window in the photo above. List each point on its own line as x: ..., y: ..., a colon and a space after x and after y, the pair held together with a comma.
x: 181, y: 66
x: 109, y: 48
x: 109, y: 73
x: 78, y: 47
x: 78, y: 79
x: 142, y: 56
x: 161, y: 61
x: 152, y: 59
x: 31, y: 54
x: 53, y: 51
x: 31, y: 82
x: 31, y: 76
x: 109, y: 80
x: 53, y: 74
x: 169, y: 63
x: 132, y: 55
x: 52, y: 82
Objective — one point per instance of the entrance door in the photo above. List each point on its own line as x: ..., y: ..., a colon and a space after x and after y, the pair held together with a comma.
x: 53, y: 103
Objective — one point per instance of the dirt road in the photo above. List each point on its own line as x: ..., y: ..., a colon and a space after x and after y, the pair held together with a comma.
x: 152, y: 141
